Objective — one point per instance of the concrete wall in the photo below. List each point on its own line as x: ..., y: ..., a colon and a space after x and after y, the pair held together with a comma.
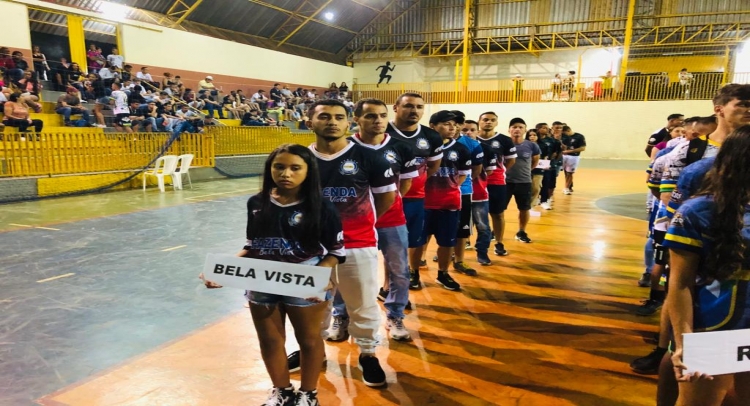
x: 17, y: 33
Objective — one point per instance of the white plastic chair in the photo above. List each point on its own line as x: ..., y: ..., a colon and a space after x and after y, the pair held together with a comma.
x: 163, y: 166
x: 183, y: 168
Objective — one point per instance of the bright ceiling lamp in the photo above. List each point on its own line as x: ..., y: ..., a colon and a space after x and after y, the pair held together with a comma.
x: 328, y: 16
x: 113, y: 11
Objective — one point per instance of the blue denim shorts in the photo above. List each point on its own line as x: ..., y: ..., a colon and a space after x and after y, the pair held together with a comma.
x: 270, y: 300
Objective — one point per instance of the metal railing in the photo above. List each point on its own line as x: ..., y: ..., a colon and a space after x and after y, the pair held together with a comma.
x: 255, y: 140
x: 643, y: 87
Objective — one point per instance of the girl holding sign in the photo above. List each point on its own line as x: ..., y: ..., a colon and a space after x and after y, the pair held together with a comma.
x: 709, y: 239
x: 289, y: 221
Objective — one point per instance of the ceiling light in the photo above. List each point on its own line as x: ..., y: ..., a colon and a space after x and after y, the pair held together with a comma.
x: 328, y: 16
x: 113, y: 11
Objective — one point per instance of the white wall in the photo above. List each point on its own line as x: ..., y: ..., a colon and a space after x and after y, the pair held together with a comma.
x: 183, y: 50
x: 17, y: 33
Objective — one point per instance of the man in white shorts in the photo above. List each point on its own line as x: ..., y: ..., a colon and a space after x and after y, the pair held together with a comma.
x: 573, y: 145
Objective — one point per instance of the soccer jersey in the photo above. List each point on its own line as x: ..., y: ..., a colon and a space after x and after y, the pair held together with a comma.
x: 573, y: 142
x: 479, y: 185
x: 477, y: 158
x: 349, y: 178
x: 658, y: 136
x: 521, y: 171
x: 280, y: 240
x: 402, y: 160
x: 678, y: 160
x: 689, y: 183
x: 656, y: 168
x: 121, y: 102
x: 442, y: 190
x: 503, y: 147
x: 719, y: 305
x: 427, y: 145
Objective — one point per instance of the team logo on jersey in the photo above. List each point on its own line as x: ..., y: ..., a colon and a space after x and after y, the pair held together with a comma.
x: 422, y: 143
x: 390, y: 156
x: 295, y: 219
x: 678, y: 221
x: 453, y: 156
x: 495, y: 144
x: 349, y: 167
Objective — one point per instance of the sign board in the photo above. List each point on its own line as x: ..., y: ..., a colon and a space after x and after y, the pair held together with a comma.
x: 278, y: 278
x: 717, y: 352
x: 543, y: 164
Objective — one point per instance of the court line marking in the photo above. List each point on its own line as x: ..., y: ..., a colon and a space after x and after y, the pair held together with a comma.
x: 20, y: 225
x: 28, y: 226
x: 55, y: 277
x: 173, y: 248
x: 48, y: 228
x: 218, y: 193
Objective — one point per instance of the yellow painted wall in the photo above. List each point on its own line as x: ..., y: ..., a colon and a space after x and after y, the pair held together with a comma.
x: 183, y: 50
x: 15, y: 26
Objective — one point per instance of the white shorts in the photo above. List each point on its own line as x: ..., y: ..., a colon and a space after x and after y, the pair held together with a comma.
x: 570, y: 163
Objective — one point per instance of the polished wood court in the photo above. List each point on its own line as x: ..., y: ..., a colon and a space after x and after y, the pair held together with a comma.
x: 550, y: 324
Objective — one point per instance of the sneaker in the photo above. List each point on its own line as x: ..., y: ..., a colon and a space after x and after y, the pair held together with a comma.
x: 101, y: 126
x: 500, y: 250
x: 464, y: 269
x: 383, y: 294
x: 645, y: 281
x: 650, y: 363
x: 547, y: 206
x: 468, y: 247
x: 483, y: 258
x: 434, y: 259
x: 305, y: 398
x: 523, y: 237
x: 372, y: 373
x: 648, y: 307
x: 446, y: 281
x: 408, y: 305
x: 422, y: 263
x: 280, y: 397
x: 396, y: 329
x: 339, y: 330
x: 567, y: 192
x: 414, y: 283
x: 293, y: 361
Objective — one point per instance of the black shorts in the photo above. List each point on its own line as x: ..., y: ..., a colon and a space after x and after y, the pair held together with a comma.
x: 661, y: 253
x: 442, y: 224
x: 522, y: 193
x: 498, y: 198
x: 123, y: 120
x: 549, y: 181
x: 464, y: 219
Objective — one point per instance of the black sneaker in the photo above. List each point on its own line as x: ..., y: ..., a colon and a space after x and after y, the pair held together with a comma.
x: 645, y: 281
x: 408, y: 305
x: 293, y: 362
x: 483, y: 258
x: 422, y: 263
x: 464, y: 269
x: 414, y: 283
x: 372, y: 373
x: 446, y: 281
x: 382, y: 294
x: 648, y: 307
x: 523, y: 237
x: 305, y: 398
x: 434, y: 259
x: 280, y: 397
x: 650, y: 363
x: 500, y: 249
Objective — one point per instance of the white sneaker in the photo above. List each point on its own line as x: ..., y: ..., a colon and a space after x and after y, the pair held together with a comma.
x: 339, y: 330
x: 546, y: 206
x: 396, y: 329
x: 567, y: 192
x: 101, y: 125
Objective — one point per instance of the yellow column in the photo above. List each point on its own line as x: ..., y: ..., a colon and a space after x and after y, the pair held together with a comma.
x: 77, y: 40
x: 468, y: 23
x: 727, y: 65
x: 626, y: 47
x: 120, y: 45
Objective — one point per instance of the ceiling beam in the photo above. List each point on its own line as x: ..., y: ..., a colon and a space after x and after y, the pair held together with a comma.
x: 391, y: 13
x: 305, y: 21
x: 295, y: 14
x: 185, y: 13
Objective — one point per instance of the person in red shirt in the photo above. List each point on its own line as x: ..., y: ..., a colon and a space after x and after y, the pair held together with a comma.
x: 372, y: 117
x: 443, y: 195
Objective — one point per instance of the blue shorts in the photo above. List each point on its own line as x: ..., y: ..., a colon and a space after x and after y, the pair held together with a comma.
x: 498, y: 198
x: 271, y: 300
x: 722, y: 306
x: 443, y: 224
x: 414, y: 212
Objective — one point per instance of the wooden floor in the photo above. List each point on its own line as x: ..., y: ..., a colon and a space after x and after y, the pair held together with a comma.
x: 550, y: 324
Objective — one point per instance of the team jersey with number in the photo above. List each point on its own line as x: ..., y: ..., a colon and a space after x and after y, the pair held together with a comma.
x: 689, y: 183
x: 656, y: 168
x: 281, y: 241
x: 573, y: 142
x: 479, y: 185
x: 427, y: 146
x: 718, y: 305
x: 349, y: 179
x: 402, y: 160
x: 477, y: 158
x: 442, y: 190
x: 503, y: 147
x: 677, y: 161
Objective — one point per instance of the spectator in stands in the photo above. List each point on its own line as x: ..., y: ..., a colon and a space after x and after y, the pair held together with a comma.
x: 163, y: 98
x: 151, y: 114
x: 41, y: 68
x: 168, y: 118
x: 332, y: 92
x: 120, y: 109
x: 230, y: 103
x: 99, y: 92
x: 127, y: 73
x: 178, y: 82
x: 60, y: 74
x: 276, y: 95
x: 95, y: 58
x: 518, y: 87
x: 241, y: 96
x: 288, y: 94
x: 556, y: 86
x: 260, y: 99
x: 349, y: 106
x: 136, y: 115
x: 211, y: 104
x: 107, y: 75
x: 207, y: 84
x: 167, y: 81
x: 29, y: 84
x: 607, y: 85
x: 253, y: 119
x: 145, y: 77
x: 343, y: 90
x: 312, y: 95
x: 69, y: 104
x: 18, y: 67
x: 6, y: 61
x: 17, y: 115
x: 569, y: 85
x: 115, y: 59
x: 74, y: 77
x: 191, y: 121
x: 686, y: 79
x: 299, y: 92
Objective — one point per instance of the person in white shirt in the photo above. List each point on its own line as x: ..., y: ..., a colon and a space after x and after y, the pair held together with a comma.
x: 286, y: 92
x: 260, y: 99
x: 120, y: 109
x: 686, y: 79
x: 115, y: 59
x: 144, y: 76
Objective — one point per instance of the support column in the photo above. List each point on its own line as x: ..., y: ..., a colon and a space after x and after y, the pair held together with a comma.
x: 468, y: 42
x: 626, y: 47
x: 77, y: 41
x: 120, y: 42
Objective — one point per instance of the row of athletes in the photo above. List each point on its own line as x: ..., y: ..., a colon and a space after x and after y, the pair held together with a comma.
x: 700, y: 245
x: 388, y: 187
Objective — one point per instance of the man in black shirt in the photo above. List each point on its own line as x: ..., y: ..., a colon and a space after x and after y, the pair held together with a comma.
x: 674, y: 120
x: 276, y: 95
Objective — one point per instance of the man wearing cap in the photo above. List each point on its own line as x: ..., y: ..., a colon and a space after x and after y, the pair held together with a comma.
x: 69, y: 104
x: 518, y: 177
x: 207, y: 84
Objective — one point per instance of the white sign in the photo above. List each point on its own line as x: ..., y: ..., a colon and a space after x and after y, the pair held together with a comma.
x: 543, y: 164
x: 278, y: 278
x: 717, y: 352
